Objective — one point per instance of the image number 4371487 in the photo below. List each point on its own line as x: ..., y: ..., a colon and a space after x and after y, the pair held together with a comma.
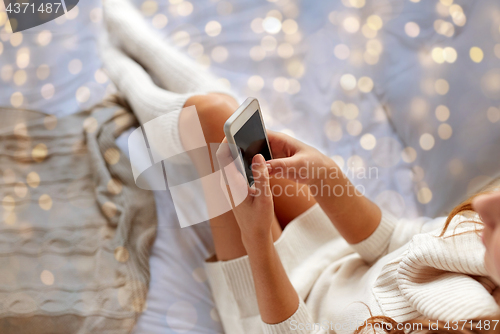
x: 25, y: 14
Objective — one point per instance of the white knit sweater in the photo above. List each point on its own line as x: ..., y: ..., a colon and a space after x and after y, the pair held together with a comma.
x: 403, y: 270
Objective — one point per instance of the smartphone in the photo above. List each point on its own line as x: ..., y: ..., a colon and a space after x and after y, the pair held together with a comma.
x: 246, y: 133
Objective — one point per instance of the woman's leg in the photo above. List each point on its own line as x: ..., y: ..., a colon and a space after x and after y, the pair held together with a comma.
x: 213, y: 111
x: 180, y: 75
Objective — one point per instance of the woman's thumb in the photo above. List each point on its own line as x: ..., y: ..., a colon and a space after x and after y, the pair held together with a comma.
x: 260, y: 177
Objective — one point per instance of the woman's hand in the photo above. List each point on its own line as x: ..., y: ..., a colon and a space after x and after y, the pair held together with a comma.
x: 295, y: 160
x: 252, y: 206
x: 354, y: 216
x: 254, y: 211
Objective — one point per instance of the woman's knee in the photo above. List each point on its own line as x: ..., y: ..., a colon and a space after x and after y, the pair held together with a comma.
x: 213, y: 110
x: 209, y: 105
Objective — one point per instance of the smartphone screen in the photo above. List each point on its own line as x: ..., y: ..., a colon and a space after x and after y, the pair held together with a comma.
x: 251, y: 140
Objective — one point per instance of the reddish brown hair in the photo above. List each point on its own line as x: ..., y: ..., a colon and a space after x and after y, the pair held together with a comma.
x: 462, y: 207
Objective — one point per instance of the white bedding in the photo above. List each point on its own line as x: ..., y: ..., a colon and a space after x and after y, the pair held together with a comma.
x: 417, y: 182
x: 53, y: 67
x: 404, y: 89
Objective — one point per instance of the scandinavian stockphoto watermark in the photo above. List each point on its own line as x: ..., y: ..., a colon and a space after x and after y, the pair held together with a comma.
x: 352, y: 326
x: 384, y: 327
x: 318, y: 179
x: 206, y: 181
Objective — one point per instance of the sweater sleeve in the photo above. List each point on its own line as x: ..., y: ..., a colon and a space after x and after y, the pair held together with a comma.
x: 377, y: 244
x: 299, y: 323
x: 392, y: 233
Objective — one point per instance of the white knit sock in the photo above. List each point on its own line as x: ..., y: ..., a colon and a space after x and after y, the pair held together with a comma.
x: 175, y: 71
x: 180, y: 76
x: 147, y: 100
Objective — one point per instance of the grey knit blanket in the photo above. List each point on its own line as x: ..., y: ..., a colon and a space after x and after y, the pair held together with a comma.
x: 76, y: 232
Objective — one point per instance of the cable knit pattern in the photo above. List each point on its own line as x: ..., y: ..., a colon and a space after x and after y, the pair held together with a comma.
x: 75, y: 240
x: 453, y: 260
x: 441, y: 278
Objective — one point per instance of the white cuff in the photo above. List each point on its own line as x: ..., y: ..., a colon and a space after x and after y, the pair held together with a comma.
x: 377, y: 244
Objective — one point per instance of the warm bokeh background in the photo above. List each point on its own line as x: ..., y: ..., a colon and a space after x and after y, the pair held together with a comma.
x: 410, y: 88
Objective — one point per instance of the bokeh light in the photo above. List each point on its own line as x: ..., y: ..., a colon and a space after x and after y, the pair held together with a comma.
x: 427, y: 141
x: 213, y: 28
x: 445, y: 131
x: 33, y: 179
x: 424, y: 195
x: 374, y: 22
x: 351, y: 111
x: 45, y: 202
x: 409, y: 154
x: 47, y: 277
x: 354, y: 127
x: 368, y: 141
x: 271, y: 25
x: 442, y: 87
x: 412, y: 29
x: 351, y: 24
x: 476, y: 54
x: 348, y: 81
x: 289, y: 27
x: 493, y: 114
x: 365, y: 84
x: 442, y: 113
x: 16, y: 99
x: 112, y: 156
x: 255, y: 83
x: 337, y: 108
x: 341, y: 51
x: 333, y: 130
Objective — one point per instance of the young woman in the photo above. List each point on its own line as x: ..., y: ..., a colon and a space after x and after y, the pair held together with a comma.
x: 340, y: 260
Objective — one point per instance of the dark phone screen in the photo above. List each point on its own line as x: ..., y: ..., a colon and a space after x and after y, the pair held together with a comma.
x: 251, y: 140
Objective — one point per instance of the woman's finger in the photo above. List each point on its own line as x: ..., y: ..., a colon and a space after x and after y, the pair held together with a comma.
x: 287, y: 167
x: 282, y: 145
x: 262, y: 192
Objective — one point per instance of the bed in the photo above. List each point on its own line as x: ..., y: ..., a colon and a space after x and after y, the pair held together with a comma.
x: 424, y: 115
x: 403, y: 95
